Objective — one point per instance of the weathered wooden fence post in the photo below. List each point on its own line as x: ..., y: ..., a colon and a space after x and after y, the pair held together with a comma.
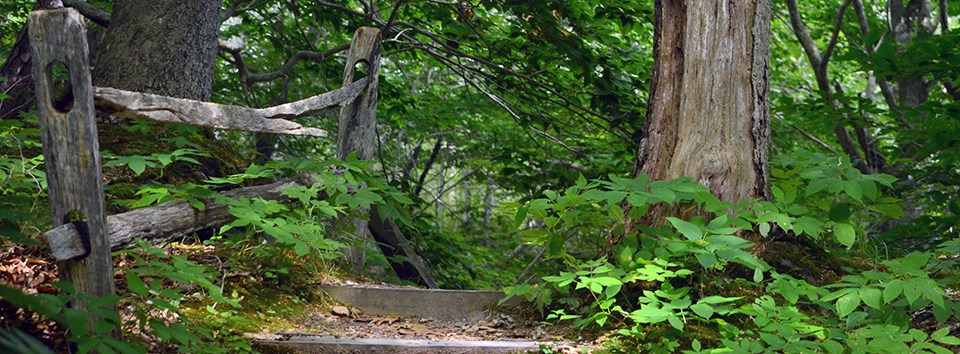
x: 357, y: 132
x: 71, y: 151
x: 357, y: 119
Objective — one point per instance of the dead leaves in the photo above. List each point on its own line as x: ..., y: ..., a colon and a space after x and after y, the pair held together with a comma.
x: 19, y: 270
x: 379, y: 321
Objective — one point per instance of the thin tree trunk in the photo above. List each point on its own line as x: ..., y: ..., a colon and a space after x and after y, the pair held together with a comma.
x: 819, y: 62
x: 488, y: 204
x: 906, y: 20
x: 426, y: 168
x: 18, y: 81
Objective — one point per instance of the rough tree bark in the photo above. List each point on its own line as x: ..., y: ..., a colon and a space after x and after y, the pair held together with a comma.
x: 708, y: 112
x: 164, y: 47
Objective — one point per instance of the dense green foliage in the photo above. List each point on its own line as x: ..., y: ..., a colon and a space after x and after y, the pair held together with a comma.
x: 507, y: 133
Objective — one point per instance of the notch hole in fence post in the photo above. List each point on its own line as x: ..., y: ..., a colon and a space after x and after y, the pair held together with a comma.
x: 79, y: 221
x: 61, y: 91
x: 360, y: 69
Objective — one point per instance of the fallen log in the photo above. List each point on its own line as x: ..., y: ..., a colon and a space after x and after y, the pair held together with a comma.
x: 129, y: 104
x: 157, y: 224
x: 175, y: 219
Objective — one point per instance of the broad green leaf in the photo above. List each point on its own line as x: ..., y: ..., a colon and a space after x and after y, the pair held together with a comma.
x: 764, y: 229
x: 136, y: 284
x: 847, y: 303
x: 649, y: 314
x: 871, y: 297
x: 911, y: 291
x: 519, y: 217
x: 707, y: 260
x: 832, y: 346
x: 845, y: 234
x: 890, y: 210
x: 789, y: 291
x: 138, y: 165
x: 942, y: 336
x: 165, y: 159
x: 718, y: 299
x: 615, y: 212
x: 931, y: 291
x: 853, y: 189
x: 691, y: 231
x: 809, y: 226
x: 612, y: 291
x: 675, y: 322
x: 892, y: 290
x: 607, y: 281
x: 702, y: 310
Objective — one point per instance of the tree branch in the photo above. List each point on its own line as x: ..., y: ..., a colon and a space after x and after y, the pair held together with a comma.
x: 96, y: 15
x: 885, y: 88
x: 837, y: 24
x: 823, y: 84
x: 246, y: 77
x: 443, y: 45
x: 815, y: 139
x: 426, y: 168
x: 799, y: 30
x: 944, y: 19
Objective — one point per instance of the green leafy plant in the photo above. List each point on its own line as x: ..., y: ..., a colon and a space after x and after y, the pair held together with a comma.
x: 156, y: 285
x: 23, y: 182
x: 139, y: 163
x: 651, y: 283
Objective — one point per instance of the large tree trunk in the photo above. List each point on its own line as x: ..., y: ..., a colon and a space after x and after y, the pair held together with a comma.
x: 164, y: 47
x: 708, y: 112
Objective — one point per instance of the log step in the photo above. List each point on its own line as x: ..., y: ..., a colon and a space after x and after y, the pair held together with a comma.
x: 323, y: 344
x: 435, y: 304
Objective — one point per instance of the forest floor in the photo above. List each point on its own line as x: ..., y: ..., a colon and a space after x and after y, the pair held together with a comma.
x: 274, y: 310
x: 283, y: 312
x: 502, y: 324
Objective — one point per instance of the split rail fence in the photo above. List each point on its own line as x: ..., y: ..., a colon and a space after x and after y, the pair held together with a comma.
x: 84, y: 235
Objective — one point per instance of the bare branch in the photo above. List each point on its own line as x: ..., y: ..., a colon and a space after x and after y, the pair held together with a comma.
x: 96, y: 15
x: 442, y: 44
x: 799, y: 30
x: 430, y: 162
x: 815, y: 139
x: 287, y: 67
x: 837, y: 23
x: 393, y: 15
x: 885, y: 88
x: 235, y: 8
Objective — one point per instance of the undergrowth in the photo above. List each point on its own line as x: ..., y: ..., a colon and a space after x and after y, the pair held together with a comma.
x: 723, y: 281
